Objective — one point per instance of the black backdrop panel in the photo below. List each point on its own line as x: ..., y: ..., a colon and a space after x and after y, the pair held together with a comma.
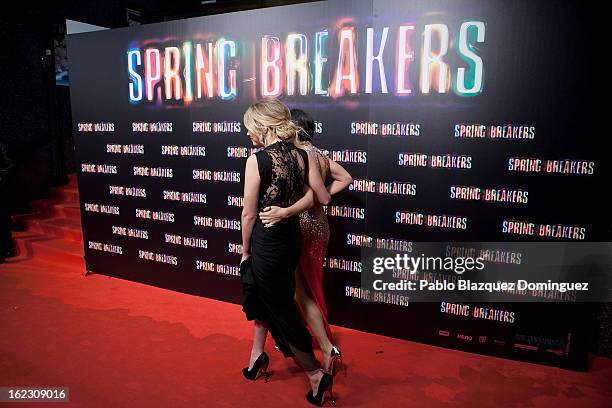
x: 161, y: 146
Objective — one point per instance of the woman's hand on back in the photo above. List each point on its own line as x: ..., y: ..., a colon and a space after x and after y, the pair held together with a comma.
x: 272, y: 214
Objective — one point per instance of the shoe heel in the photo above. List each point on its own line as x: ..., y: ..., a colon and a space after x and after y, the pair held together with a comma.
x: 334, y: 366
x: 342, y: 366
x: 331, y: 398
x: 337, y: 365
x: 266, y: 373
x: 263, y: 371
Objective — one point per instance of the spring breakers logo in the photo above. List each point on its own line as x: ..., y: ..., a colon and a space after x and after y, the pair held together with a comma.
x: 440, y: 57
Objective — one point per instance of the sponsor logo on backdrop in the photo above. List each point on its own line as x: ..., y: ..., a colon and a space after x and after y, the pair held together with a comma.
x: 224, y: 176
x: 158, y: 257
x: 486, y: 254
x: 490, y: 195
x: 152, y: 127
x: 435, y: 161
x: 374, y: 296
x: 125, y: 149
x: 549, y: 344
x: 105, y: 247
x: 128, y: 191
x: 385, y: 129
x: 162, y: 216
x: 558, y: 231
x: 431, y: 220
x: 193, y: 242
x: 219, y: 223
x: 98, y: 168
x: 96, y: 127
x: 506, y: 131
x: 361, y: 240
x: 477, y: 312
x: 183, y: 151
x: 216, y: 127
x: 185, y: 197
x: 567, y: 167
x: 146, y: 171
x: 218, y: 268
x: 130, y: 232
x: 101, y: 208
x: 397, y: 188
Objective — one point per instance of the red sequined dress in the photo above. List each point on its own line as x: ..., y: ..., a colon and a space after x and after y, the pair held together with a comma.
x: 315, y: 237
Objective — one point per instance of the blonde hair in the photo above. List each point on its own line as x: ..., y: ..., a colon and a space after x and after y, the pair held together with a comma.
x: 273, y: 115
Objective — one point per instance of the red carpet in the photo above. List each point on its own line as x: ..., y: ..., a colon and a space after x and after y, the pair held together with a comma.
x: 116, y: 343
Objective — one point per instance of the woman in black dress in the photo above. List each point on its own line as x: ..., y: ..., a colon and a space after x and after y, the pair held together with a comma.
x: 276, y: 175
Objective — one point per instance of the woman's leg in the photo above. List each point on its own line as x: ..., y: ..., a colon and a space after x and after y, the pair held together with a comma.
x: 312, y: 315
x: 259, y: 341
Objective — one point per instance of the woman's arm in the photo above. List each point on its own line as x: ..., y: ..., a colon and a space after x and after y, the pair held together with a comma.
x: 273, y: 214
x: 342, y: 178
x: 249, y: 208
x: 315, y: 181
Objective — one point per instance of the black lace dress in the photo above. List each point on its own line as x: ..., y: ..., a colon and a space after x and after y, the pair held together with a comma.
x: 269, y: 275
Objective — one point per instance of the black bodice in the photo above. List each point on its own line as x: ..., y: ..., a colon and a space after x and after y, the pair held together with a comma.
x: 282, y: 169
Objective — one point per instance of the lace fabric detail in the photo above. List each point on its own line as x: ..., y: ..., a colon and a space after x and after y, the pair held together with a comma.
x: 283, y: 169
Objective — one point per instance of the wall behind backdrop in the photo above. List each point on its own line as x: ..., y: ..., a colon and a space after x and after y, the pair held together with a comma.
x: 424, y: 102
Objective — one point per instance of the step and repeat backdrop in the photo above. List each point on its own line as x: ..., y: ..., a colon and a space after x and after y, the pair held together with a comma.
x: 459, y: 121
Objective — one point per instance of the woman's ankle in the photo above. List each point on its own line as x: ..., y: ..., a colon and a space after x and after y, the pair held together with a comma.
x: 315, y: 378
x: 326, y: 346
x: 255, y: 353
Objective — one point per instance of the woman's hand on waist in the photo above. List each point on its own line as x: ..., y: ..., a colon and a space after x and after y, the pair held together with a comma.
x: 272, y: 214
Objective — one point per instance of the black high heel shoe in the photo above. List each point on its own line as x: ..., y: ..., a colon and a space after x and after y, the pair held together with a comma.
x: 325, y: 386
x: 260, y: 367
x: 335, y: 361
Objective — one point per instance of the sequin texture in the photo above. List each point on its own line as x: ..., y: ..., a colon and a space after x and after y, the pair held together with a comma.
x: 315, y: 237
